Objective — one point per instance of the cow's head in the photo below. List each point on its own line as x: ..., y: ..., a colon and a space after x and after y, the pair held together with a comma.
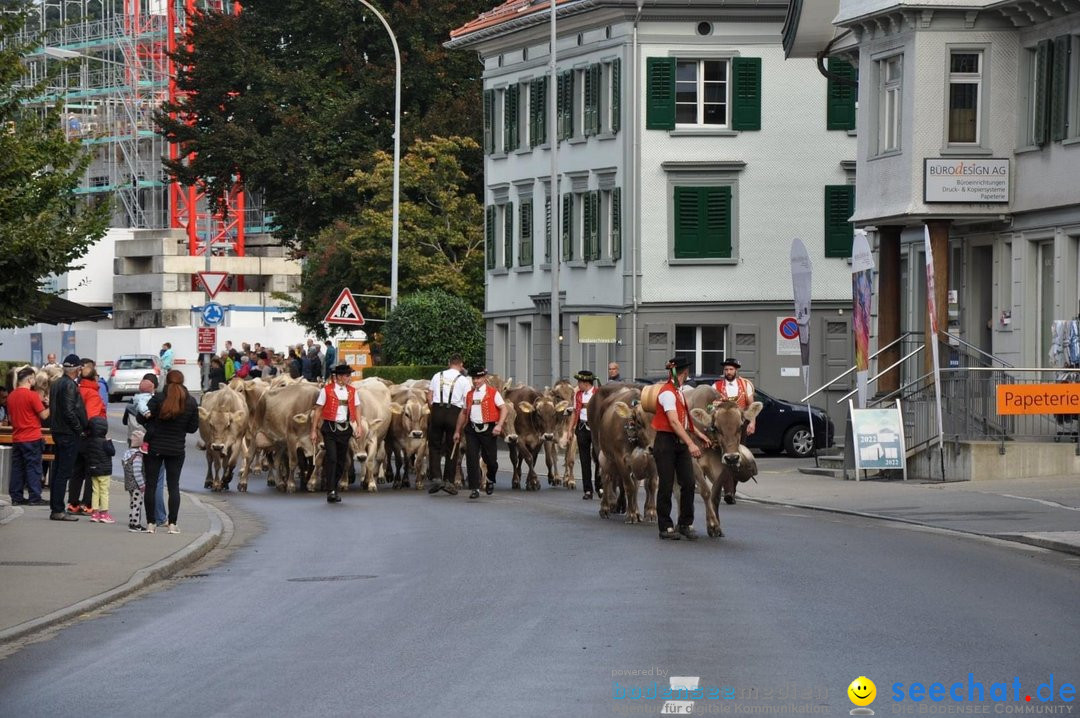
x: 723, y: 425
x: 510, y: 426
x: 225, y: 427
x: 302, y: 423
x: 545, y: 414
x: 637, y: 427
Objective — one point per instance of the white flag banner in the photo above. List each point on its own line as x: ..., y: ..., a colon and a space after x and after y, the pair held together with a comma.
x: 802, y: 272
x: 932, y: 338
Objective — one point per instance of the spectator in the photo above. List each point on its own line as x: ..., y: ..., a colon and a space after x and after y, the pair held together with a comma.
x: 137, y: 407
x: 166, y: 357
x: 305, y: 364
x: 316, y: 363
x: 99, y: 451
x: 26, y: 411
x: 217, y: 375
x: 329, y: 360
x: 67, y: 420
x: 294, y: 365
x: 171, y: 415
x: 3, y: 405
x: 135, y: 482
x: 81, y: 486
x: 50, y: 362
x: 229, y: 364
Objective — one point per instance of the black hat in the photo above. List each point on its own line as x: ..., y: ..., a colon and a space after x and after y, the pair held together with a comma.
x: 585, y: 375
x: 71, y: 361
x: 477, y: 371
x: 678, y: 363
x: 732, y: 362
x: 342, y: 369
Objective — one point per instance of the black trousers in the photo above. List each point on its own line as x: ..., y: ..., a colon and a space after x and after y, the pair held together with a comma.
x: 67, y: 449
x: 584, y: 450
x: 673, y: 463
x: 335, y: 454
x: 80, y: 487
x: 441, y: 425
x: 479, y: 444
x: 152, y: 469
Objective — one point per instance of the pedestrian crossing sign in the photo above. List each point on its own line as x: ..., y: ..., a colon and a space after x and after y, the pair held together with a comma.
x: 345, y: 311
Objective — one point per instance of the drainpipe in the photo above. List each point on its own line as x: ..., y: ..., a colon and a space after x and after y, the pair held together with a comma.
x: 635, y: 178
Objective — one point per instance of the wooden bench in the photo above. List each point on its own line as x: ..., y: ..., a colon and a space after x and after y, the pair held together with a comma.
x: 48, y: 452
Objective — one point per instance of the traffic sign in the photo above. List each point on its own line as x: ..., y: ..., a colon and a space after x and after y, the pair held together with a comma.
x: 345, y: 311
x: 789, y: 328
x: 213, y: 314
x: 213, y: 282
x: 206, y: 339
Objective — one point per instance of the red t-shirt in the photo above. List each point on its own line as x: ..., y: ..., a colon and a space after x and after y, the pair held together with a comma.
x: 24, y: 405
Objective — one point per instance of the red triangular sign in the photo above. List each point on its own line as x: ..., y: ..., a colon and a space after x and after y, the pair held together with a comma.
x: 213, y: 282
x: 345, y: 311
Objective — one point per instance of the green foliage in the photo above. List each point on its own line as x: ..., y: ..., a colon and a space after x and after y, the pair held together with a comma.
x: 295, y: 95
x: 429, y: 326
x: 7, y: 366
x: 441, y: 241
x: 44, y: 227
x: 398, y: 374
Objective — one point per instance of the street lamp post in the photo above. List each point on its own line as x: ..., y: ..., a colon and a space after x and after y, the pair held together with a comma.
x: 556, y: 206
x: 397, y: 154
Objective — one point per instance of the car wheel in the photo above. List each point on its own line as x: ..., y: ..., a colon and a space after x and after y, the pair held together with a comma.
x: 798, y: 442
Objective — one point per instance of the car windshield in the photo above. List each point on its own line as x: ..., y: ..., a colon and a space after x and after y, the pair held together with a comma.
x: 135, y: 363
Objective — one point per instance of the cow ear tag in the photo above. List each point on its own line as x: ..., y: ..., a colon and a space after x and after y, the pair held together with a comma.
x: 635, y: 402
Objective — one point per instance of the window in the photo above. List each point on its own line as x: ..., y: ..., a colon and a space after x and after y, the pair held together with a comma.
x: 1072, y: 101
x: 565, y: 109
x: 511, y: 115
x: 499, y: 232
x: 702, y: 222
x: 538, y: 111
x: 567, y: 235
x: 508, y: 234
x: 525, y: 223
x: 489, y: 237
x: 615, y: 223
x: 489, y: 121
x: 890, y: 81
x: 842, y: 93
x: 1050, y: 113
x: 703, y: 93
x: 704, y: 346
x: 590, y: 224
x: 965, y: 87
x: 612, y: 99
x: 839, y: 232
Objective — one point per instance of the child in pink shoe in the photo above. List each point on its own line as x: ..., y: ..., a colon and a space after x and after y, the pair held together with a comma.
x: 98, y: 451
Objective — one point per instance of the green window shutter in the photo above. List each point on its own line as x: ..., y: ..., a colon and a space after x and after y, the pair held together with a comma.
x: 489, y: 121
x: 567, y: 227
x: 508, y: 235
x: 510, y: 118
x: 1042, y: 87
x: 688, y: 201
x: 547, y: 230
x: 570, y: 110
x: 616, y: 95
x: 596, y: 224
x: 660, y: 93
x: 597, y: 77
x: 489, y: 237
x: 525, y: 221
x: 702, y: 222
x: 538, y: 111
x: 616, y: 223
x: 590, y: 101
x: 560, y: 112
x: 840, y: 110
x: 1059, y: 88
x: 717, y: 222
x: 839, y: 232
x: 746, y: 93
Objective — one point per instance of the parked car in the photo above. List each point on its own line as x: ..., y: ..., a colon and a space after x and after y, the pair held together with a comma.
x: 782, y: 426
x: 128, y: 371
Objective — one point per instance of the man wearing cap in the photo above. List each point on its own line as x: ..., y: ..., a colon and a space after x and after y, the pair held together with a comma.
x: 446, y: 395
x: 68, y: 422
x: 734, y: 388
x: 482, y: 421
x: 672, y: 450
x: 579, y: 428
x: 340, y: 420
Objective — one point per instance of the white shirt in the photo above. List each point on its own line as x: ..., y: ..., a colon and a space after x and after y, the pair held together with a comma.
x: 731, y: 388
x: 667, y: 402
x: 583, y: 415
x: 342, y: 394
x: 476, y: 411
x: 447, y: 387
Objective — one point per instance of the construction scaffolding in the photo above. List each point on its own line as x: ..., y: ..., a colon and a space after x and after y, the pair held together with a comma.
x: 115, y: 73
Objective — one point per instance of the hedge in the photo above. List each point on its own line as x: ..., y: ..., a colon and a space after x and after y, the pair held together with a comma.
x: 398, y: 374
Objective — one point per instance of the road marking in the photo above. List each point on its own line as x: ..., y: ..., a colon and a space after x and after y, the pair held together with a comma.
x: 680, y: 708
x: 1044, y: 502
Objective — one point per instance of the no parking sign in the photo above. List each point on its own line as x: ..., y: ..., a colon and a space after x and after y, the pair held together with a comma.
x: 787, y: 336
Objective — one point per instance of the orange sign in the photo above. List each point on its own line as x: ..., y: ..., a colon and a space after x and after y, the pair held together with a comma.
x: 1038, y: 399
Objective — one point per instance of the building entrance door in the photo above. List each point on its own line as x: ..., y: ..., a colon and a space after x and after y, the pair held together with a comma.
x: 1046, y: 299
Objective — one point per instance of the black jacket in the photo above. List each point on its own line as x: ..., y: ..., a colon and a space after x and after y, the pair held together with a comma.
x: 97, y: 450
x: 67, y: 412
x: 217, y: 378
x: 166, y: 436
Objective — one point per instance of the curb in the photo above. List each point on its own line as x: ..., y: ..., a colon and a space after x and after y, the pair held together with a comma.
x: 140, y: 579
x: 1039, y: 541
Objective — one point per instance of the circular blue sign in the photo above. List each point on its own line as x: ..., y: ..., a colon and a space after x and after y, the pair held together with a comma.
x: 213, y: 314
x: 789, y: 328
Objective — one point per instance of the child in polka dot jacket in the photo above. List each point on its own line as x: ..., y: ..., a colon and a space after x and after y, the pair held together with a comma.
x: 135, y: 481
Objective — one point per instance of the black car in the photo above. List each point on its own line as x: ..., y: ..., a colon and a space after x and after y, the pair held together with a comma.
x: 782, y: 426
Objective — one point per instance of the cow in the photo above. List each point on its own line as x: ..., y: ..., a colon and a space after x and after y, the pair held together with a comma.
x: 406, y: 440
x: 563, y: 391
x: 622, y: 435
x: 223, y: 423
x: 282, y: 427
x: 375, y: 403
x: 727, y: 462
x: 535, y: 423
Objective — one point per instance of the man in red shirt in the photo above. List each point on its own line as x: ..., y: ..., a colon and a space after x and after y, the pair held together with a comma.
x: 26, y: 410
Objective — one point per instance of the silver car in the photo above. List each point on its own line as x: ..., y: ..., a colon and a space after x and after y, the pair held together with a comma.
x: 128, y: 371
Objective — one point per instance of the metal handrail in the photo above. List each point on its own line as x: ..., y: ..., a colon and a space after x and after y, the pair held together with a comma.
x: 976, y: 349
x: 905, y: 387
x: 837, y: 378
x: 877, y: 376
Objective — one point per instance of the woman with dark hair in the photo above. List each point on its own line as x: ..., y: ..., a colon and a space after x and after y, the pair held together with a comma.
x: 170, y: 416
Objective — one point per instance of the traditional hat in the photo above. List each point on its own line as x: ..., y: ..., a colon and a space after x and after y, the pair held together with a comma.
x: 477, y: 371
x: 678, y: 363
x: 585, y: 375
x: 732, y: 362
x: 72, y: 361
x: 342, y: 370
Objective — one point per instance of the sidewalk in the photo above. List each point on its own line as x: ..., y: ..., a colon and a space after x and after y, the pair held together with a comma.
x: 54, y: 571
x: 1039, y: 511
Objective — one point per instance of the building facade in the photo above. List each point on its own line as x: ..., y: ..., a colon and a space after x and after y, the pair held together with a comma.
x: 691, y: 154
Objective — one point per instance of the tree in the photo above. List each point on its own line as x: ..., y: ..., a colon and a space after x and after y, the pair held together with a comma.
x: 441, y: 241
x: 44, y: 226
x: 429, y: 326
x: 293, y: 96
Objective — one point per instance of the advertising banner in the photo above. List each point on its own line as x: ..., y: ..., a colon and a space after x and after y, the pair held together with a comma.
x: 862, y: 287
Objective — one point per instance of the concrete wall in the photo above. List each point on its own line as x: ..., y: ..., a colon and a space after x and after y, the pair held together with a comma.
x: 92, y: 283
x: 983, y: 460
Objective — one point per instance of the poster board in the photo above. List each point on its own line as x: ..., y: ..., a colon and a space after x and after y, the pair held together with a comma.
x: 355, y: 353
x: 878, y: 439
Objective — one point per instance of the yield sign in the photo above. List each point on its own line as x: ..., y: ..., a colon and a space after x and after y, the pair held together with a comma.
x: 345, y: 311
x: 213, y: 282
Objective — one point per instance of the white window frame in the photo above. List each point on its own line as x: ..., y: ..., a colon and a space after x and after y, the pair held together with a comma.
x: 890, y: 96
x: 700, y: 91
x: 524, y: 130
x: 966, y: 78
x: 700, y: 351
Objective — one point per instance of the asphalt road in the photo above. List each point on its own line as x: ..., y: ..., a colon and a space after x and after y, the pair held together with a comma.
x: 529, y: 604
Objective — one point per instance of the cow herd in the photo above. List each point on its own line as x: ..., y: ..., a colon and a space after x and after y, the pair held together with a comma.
x: 265, y: 426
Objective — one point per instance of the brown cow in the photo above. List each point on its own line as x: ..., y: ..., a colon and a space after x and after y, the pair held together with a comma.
x: 406, y: 442
x: 727, y: 462
x: 563, y: 391
x: 223, y: 429
x: 622, y: 434
x: 282, y: 425
x: 535, y: 424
